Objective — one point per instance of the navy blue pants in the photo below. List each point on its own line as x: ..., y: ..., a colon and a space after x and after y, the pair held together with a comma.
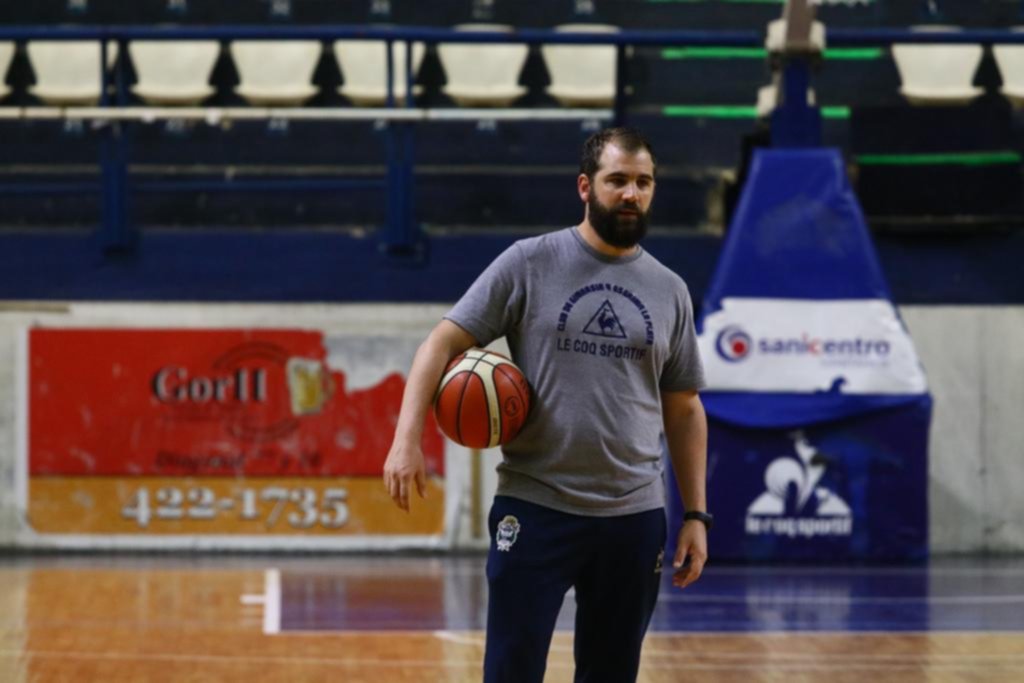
x: 536, y: 556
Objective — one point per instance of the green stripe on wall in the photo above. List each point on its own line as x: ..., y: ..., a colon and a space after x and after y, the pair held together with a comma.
x: 713, y: 52
x: 725, y: 111
x: 710, y: 111
x: 951, y: 158
x: 855, y: 53
x: 835, y: 112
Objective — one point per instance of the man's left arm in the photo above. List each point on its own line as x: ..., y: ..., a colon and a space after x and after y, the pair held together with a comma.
x: 686, y: 432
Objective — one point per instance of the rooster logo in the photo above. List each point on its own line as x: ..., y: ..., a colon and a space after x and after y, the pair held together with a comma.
x: 605, y: 323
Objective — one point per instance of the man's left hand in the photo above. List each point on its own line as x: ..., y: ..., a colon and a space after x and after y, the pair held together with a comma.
x: 691, y: 553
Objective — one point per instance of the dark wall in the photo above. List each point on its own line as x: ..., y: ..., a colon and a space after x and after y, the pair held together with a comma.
x: 630, y: 13
x: 285, y: 265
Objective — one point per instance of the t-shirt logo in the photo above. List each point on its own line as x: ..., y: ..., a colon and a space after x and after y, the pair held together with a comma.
x: 605, y: 323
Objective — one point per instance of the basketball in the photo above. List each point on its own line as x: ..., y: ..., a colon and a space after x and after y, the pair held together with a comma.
x: 483, y: 399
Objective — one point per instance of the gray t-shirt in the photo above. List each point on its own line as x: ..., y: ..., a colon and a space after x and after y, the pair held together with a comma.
x: 598, y: 339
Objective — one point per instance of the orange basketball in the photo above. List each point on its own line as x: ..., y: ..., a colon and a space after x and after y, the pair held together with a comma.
x: 482, y: 400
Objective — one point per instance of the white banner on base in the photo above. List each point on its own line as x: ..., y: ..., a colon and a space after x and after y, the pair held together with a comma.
x: 802, y: 346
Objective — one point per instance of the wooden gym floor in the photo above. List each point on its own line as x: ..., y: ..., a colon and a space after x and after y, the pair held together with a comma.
x: 419, y: 620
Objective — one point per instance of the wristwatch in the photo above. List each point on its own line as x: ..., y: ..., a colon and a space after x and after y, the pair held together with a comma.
x: 707, y: 519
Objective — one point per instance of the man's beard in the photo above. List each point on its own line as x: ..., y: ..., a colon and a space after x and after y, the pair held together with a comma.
x: 618, y: 231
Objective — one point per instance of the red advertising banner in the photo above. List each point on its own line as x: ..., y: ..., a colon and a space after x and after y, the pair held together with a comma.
x: 211, y: 431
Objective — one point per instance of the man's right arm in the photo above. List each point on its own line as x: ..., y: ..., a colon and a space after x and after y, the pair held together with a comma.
x: 404, y: 465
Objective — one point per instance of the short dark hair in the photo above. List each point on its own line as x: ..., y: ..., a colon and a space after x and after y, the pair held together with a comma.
x: 630, y: 140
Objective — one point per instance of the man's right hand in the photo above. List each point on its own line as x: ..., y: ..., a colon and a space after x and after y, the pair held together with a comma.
x: 403, y: 467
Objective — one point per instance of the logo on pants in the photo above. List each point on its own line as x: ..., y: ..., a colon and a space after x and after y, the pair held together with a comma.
x: 508, y: 532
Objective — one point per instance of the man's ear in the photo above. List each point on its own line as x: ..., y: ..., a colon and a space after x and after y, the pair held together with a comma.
x: 583, y: 187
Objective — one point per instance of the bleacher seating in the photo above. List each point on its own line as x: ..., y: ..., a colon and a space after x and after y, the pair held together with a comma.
x: 363, y: 66
x: 483, y: 74
x: 582, y: 75
x: 697, y: 102
x: 938, y: 74
x: 67, y: 72
x: 174, y: 72
x: 6, y: 55
x: 1010, y: 59
x: 276, y: 73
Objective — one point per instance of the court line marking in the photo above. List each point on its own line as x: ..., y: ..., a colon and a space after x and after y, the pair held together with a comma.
x: 464, y: 638
x: 284, y: 659
x: 432, y: 569
x: 475, y: 568
x: 772, y: 657
x: 826, y: 571
x: 716, y: 633
x: 271, y: 602
x: 854, y: 662
x: 253, y: 599
x: 787, y: 598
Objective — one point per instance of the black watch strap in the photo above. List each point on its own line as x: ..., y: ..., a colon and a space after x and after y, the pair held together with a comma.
x: 707, y: 519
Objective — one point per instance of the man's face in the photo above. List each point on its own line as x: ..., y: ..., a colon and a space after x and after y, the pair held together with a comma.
x: 619, y: 197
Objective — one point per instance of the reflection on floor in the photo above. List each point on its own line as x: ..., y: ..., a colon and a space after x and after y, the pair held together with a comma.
x: 419, y: 619
x: 452, y: 594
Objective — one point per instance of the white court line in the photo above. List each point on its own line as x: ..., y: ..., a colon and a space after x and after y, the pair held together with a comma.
x: 806, y: 634
x: 790, y: 599
x: 925, y: 570
x: 253, y: 599
x: 360, y: 632
x: 845, y: 664
x: 289, y: 660
x: 771, y: 657
x: 463, y: 639
x: 271, y: 602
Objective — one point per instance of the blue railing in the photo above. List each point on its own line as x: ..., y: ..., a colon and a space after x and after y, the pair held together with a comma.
x: 838, y: 37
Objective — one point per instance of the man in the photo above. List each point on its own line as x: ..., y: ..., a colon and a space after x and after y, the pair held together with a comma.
x: 605, y: 335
